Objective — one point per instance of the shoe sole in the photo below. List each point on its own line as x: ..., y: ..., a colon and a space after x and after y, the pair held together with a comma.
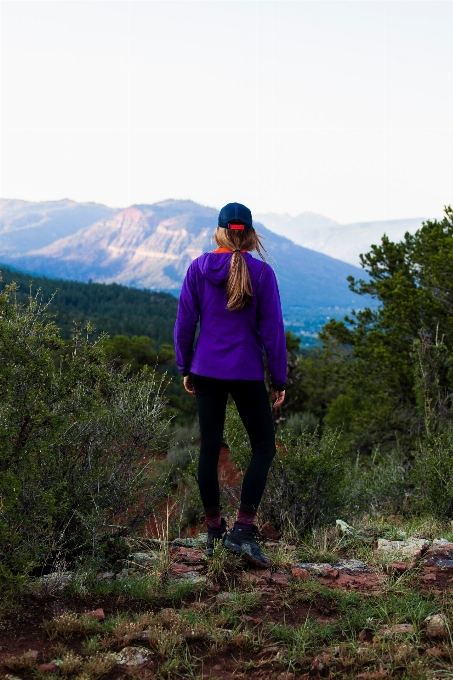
x: 247, y: 557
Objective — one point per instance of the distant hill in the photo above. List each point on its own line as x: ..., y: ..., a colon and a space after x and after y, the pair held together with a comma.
x: 343, y: 241
x: 151, y: 246
x: 28, y: 226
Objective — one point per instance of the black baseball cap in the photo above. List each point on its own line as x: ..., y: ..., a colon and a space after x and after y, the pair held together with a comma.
x: 235, y: 216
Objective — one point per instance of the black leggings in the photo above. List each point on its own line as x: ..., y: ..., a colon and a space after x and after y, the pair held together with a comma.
x: 253, y: 406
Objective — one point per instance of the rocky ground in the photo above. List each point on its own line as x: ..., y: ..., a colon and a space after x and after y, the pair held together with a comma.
x: 369, y: 602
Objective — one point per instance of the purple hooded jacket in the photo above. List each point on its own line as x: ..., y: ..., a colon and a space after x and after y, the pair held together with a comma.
x: 230, y: 345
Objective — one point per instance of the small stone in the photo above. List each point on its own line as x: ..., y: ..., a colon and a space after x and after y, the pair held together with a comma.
x: 224, y: 597
x: 31, y: 654
x: 280, y: 579
x: 270, y: 532
x: 97, y: 614
x: 133, y: 656
x: 436, y: 626
x: 247, y: 578
x: 318, y: 664
x: 217, y: 667
x: 395, y: 631
x: 435, y: 651
x: 331, y: 573
x: 191, y: 541
x: 344, y: 528
x: 142, y: 559
x: 48, y: 668
x: 366, y: 635
x: 300, y: 574
x: 429, y: 577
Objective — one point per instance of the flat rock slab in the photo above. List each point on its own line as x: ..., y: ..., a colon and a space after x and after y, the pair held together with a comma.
x: 365, y: 582
x: 440, y: 555
x: 345, y: 574
x: 342, y: 566
x: 411, y: 548
x: 438, y: 566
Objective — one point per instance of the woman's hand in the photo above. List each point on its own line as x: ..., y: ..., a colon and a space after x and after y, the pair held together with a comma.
x: 278, y: 396
x: 188, y: 386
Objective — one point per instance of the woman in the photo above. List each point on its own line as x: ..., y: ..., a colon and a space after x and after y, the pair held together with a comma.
x: 235, y: 297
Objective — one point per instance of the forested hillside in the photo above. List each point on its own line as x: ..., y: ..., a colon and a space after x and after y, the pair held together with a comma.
x: 111, y: 308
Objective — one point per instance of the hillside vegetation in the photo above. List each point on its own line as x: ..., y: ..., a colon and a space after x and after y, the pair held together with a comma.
x: 98, y: 492
x: 112, y: 309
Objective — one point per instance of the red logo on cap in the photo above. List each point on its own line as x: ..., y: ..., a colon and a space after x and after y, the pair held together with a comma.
x: 237, y: 226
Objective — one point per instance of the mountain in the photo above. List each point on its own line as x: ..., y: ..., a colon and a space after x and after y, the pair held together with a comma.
x: 151, y: 246
x: 343, y: 241
x: 25, y: 226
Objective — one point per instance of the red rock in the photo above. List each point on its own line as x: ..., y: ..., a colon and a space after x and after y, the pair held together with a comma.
x: 331, y: 573
x: 251, y: 619
x: 260, y: 573
x: 435, y: 651
x: 270, y: 532
x: 300, y: 574
x: 318, y: 665
x: 429, y: 577
x: 187, y: 555
x: 366, y: 635
x: 178, y: 569
x: 248, y: 579
x: 280, y: 579
x: 397, y: 567
x: 97, y: 614
x: 48, y: 668
x: 395, y: 630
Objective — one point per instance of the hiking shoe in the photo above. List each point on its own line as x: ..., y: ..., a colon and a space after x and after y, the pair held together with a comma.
x: 214, y: 538
x: 243, y: 543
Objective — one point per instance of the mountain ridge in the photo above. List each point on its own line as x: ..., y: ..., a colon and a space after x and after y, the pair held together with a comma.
x: 342, y: 241
x: 151, y: 246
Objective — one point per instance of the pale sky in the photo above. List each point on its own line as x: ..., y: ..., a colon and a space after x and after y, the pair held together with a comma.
x: 343, y: 108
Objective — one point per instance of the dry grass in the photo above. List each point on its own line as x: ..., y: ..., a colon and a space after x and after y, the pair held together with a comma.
x: 69, y: 624
x: 69, y: 663
x: 25, y: 663
x: 98, y: 665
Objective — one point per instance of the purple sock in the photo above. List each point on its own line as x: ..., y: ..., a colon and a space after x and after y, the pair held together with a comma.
x: 245, y: 518
x: 213, y: 520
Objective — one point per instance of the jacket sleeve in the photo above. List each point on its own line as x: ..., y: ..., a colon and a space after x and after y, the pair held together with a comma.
x: 186, y: 321
x: 270, y: 324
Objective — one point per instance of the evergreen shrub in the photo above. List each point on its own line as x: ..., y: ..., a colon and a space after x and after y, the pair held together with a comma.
x: 305, y: 483
x: 77, y: 442
x: 433, y: 475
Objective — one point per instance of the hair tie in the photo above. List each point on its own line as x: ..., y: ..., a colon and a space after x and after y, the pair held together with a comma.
x: 237, y: 250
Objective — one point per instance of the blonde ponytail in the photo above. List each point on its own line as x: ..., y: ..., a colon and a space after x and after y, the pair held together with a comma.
x: 239, y: 290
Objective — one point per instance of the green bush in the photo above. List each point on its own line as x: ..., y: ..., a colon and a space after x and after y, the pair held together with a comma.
x: 77, y: 441
x: 305, y: 483
x: 432, y: 475
x: 376, y: 483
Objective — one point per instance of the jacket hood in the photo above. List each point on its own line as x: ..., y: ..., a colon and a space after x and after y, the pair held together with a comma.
x: 215, y: 266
